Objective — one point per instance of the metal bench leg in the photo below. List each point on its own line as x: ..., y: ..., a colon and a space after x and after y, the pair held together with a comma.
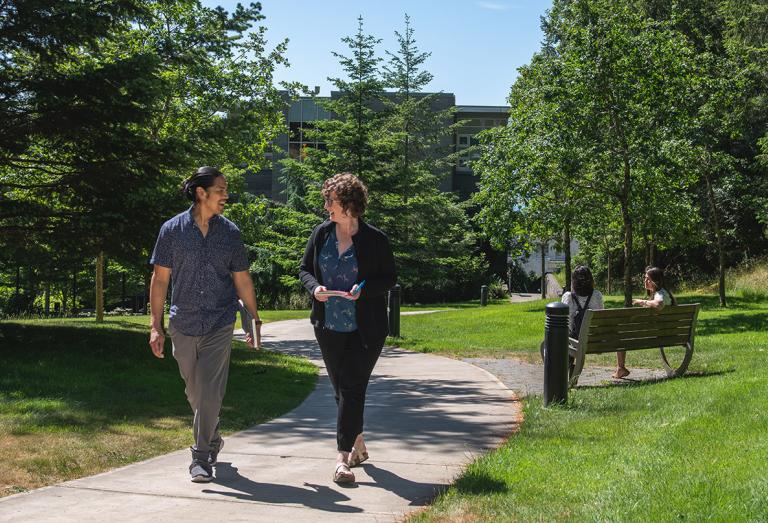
x: 575, y: 370
x: 679, y: 371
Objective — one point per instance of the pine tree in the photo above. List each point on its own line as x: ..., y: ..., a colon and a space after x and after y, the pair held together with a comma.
x: 433, y: 242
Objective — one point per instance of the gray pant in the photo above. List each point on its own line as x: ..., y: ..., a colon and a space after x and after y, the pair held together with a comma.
x: 204, y: 365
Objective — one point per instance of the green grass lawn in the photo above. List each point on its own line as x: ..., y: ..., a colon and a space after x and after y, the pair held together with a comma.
x: 687, y: 449
x: 77, y: 398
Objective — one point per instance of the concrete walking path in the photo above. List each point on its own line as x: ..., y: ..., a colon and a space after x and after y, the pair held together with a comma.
x: 426, y: 418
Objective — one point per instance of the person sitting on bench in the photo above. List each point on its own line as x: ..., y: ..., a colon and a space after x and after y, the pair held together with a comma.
x: 657, y: 297
x: 581, y: 297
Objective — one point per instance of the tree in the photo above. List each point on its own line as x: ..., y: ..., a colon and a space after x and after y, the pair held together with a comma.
x: 73, y: 153
x: 392, y: 141
x: 116, y: 120
x: 435, y: 248
x: 631, y: 100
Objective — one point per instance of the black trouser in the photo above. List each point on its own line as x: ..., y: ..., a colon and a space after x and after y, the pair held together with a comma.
x: 349, y: 367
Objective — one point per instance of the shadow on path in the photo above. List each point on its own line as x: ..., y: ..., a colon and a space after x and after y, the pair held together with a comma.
x: 319, y: 497
x: 418, y: 494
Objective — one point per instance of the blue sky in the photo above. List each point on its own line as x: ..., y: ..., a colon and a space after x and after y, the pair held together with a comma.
x: 476, y: 45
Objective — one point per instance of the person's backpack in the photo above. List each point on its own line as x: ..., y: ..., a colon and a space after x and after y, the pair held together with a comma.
x: 576, y: 323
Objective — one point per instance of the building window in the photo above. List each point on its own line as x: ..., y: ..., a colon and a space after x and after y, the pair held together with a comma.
x: 301, y: 140
x: 466, y: 147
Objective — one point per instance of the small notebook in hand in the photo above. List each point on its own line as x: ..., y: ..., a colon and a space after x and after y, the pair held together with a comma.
x: 338, y: 294
x: 247, y: 321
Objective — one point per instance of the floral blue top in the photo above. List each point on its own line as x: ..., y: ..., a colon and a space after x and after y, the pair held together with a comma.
x: 339, y: 273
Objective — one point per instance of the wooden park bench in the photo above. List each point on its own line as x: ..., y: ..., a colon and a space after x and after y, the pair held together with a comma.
x: 612, y: 330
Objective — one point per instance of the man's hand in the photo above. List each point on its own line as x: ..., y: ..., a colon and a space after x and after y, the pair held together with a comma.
x: 157, y: 342
x: 249, y: 340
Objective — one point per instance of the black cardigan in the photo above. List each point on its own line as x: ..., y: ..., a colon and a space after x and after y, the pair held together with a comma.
x: 375, y: 265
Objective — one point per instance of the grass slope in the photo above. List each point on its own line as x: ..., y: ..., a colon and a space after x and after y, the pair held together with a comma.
x: 77, y: 398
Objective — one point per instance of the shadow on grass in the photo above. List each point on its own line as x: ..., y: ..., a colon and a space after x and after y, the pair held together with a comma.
x: 628, y: 382
x: 712, y: 302
x: 90, y: 379
x: 733, y: 323
x: 477, y: 483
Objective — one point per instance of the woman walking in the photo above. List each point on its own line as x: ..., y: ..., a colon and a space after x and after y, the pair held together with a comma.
x: 346, y: 255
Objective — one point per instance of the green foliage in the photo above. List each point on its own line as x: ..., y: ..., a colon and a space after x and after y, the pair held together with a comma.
x: 599, y: 133
x: 396, y: 143
x: 276, y: 236
x: 106, y: 119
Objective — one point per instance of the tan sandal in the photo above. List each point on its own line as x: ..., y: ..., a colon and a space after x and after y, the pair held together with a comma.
x: 342, y: 474
x: 356, y: 457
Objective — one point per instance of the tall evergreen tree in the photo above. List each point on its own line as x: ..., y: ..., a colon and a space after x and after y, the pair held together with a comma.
x: 399, y: 146
x: 435, y: 248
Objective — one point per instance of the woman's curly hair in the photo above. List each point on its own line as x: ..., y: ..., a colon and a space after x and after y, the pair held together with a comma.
x: 582, y: 282
x: 351, y: 193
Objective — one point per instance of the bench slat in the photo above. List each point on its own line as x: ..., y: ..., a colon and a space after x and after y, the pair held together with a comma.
x: 640, y: 315
x: 624, y: 330
x: 650, y: 320
x: 689, y: 309
x: 613, y: 345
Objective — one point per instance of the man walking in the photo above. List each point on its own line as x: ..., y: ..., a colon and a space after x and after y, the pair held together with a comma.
x: 203, y: 255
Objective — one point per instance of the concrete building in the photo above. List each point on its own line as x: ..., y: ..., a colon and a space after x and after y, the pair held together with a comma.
x: 302, y: 113
x: 554, y: 258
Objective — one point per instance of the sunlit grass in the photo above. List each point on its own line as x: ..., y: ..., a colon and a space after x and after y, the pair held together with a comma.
x: 687, y: 449
x: 77, y: 398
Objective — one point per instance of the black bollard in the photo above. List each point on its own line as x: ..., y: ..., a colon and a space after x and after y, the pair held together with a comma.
x: 483, y: 295
x: 556, y: 354
x: 394, y: 311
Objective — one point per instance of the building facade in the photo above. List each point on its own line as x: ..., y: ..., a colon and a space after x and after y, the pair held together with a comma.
x: 554, y: 258
x: 302, y: 114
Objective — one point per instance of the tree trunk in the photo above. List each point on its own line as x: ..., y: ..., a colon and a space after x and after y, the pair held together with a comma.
x: 74, y: 290
x: 122, y: 289
x: 47, y: 299
x: 18, y: 281
x: 567, y: 251
x: 608, y: 264
x: 147, y: 279
x: 719, y: 238
x: 646, y: 251
x: 543, y: 268
x: 64, y: 298
x: 627, y: 221
x: 652, y: 254
x: 100, y: 287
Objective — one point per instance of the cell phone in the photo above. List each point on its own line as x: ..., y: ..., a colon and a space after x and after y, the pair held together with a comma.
x: 359, y: 287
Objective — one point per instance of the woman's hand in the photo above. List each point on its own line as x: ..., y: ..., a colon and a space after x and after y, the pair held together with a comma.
x: 353, y: 292
x: 320, y: 288
x: 638, y: 302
